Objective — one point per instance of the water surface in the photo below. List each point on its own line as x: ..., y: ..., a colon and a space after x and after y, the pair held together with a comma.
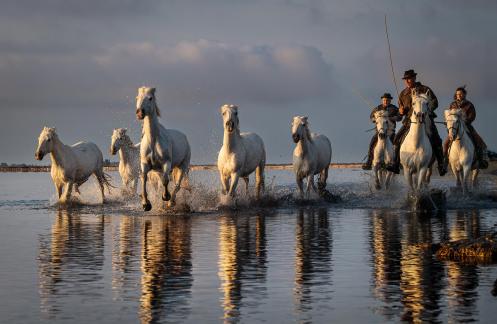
x: 357, y: 261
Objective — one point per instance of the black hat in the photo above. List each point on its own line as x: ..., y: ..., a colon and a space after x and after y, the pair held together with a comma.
x: 387, y: 95
x: 409, y: 74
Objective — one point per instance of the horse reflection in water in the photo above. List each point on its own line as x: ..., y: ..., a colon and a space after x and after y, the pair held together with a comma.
x: 405, y: 271
x: 386, y: 250
x: 166, y: 264
x: 463, y: 279
x: 313, y: 252
x: 70, y: 260
x: 421, y: 279
x: 125, y: 254
x: 242, y: 262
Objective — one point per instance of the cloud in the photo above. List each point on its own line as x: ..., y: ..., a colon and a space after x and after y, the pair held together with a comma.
x: 185, y: 73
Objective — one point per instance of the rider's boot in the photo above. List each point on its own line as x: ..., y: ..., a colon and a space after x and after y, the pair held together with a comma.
x: 369, y: 162
x: 442, y: 167
x: 395, y: 165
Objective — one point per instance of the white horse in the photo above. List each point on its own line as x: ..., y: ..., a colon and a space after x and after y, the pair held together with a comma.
x: 383, y: 151
x: 240, y: 155
x: 311, y: 156
x: 161, y: 149
x: 461, y: 151
x: 129, y: 159
x: 416, y: 154
x: 71, y: 165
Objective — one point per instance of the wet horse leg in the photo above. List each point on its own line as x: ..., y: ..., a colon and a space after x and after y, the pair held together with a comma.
x: 145, y: 202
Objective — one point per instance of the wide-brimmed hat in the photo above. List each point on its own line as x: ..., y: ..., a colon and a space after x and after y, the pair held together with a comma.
x: 409, y: 74
x: 387, y: 95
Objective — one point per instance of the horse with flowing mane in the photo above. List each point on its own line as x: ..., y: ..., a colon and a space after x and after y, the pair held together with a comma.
x: 462, y: 150
x: 240, y: 155
x: 129, y: 159
x: 71, y: 165
x: 383, y: 150
x: 311, y: 156
x: 161, y: 149
x: 416, y: 154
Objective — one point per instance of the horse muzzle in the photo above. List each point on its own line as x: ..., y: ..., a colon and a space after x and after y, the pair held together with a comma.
x: 112, y: 151
x: 140, y: 114
x: 39, y: 156
x: 381, y: 135
x: 296, y: 138
x: 230, y: 126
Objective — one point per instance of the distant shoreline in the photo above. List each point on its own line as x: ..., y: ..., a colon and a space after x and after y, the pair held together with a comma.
x: 271, y: 166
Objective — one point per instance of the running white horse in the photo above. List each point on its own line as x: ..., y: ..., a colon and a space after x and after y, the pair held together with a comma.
x: 461, y: 151
x: 383, y: 151
x: 311, y: 156
x: 71, y: 165
x: 416, y: 154
x: 161, y: 149
x: 129, y: 159
x: 240, y: 155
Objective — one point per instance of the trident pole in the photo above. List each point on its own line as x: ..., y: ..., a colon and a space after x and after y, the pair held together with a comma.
x: 390, y: 53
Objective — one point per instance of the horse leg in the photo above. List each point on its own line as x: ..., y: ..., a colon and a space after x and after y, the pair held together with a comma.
x: 145, y: 202
x: 58, y: 188
x: 388, y: 178
x: 408, y: 175
x: 134, y: 186
x: 474, y: 178
x: 166, y: 196
x: 246, y: 179
x: 225, y: 182
x: 465, y: 178
x: 67, y: 193
x: 177, y: 186
x: 259, y: 180
x: 429, y: 172
x: 300, y: 186
x: 323, y: 176
x: 377, y: 183
x: 234, y: 182
x: 100, y: 179
x: 310, y: 184
x: 422, y: 178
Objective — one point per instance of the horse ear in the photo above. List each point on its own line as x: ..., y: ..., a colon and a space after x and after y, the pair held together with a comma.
x: 427, y: 93
x: 152, y: 91
x: 304, y: 118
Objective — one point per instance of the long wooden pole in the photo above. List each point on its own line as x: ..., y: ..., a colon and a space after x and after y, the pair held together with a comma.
x: 391, y: 61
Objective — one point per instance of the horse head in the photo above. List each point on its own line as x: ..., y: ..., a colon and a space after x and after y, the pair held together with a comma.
x: 230, y: 117
x: 146, y: 104
x: 119, y: 137
x: 420, y: 108
x: 300, y: 128
x: 45, y: 142
x: 453, y: 118
x: 382, y: 123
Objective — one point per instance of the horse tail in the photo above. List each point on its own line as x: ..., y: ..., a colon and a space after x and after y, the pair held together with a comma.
x: 106, y: 181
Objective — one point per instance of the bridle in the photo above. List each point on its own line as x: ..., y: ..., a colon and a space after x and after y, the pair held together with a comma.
x: 457, y: 128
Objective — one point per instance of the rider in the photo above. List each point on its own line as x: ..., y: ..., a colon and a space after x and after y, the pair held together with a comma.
x: 405, y: 109
x: 393, y: 114
x: 467, y: 107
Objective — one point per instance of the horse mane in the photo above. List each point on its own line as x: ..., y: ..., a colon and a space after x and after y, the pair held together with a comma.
x: 50, y: 132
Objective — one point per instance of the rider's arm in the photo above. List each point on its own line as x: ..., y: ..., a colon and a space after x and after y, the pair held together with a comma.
x: 470, y: 113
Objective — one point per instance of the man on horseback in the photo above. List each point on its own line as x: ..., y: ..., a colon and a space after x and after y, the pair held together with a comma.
x: 405, y: 109
x: 460, y: 102
x: 393, y: 114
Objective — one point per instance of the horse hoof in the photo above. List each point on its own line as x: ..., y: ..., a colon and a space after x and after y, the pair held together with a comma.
x: 147, y: 206
x: 166, y: 197
x: 377, y: 186
x: 171, y: 204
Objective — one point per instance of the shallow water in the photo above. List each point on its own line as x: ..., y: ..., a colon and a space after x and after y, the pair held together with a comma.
x: 355, y: 261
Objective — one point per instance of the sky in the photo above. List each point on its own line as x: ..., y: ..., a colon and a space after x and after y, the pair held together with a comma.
x: 76, y: 65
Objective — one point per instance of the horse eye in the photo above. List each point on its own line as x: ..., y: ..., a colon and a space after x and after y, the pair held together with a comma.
x: 150, y: 98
